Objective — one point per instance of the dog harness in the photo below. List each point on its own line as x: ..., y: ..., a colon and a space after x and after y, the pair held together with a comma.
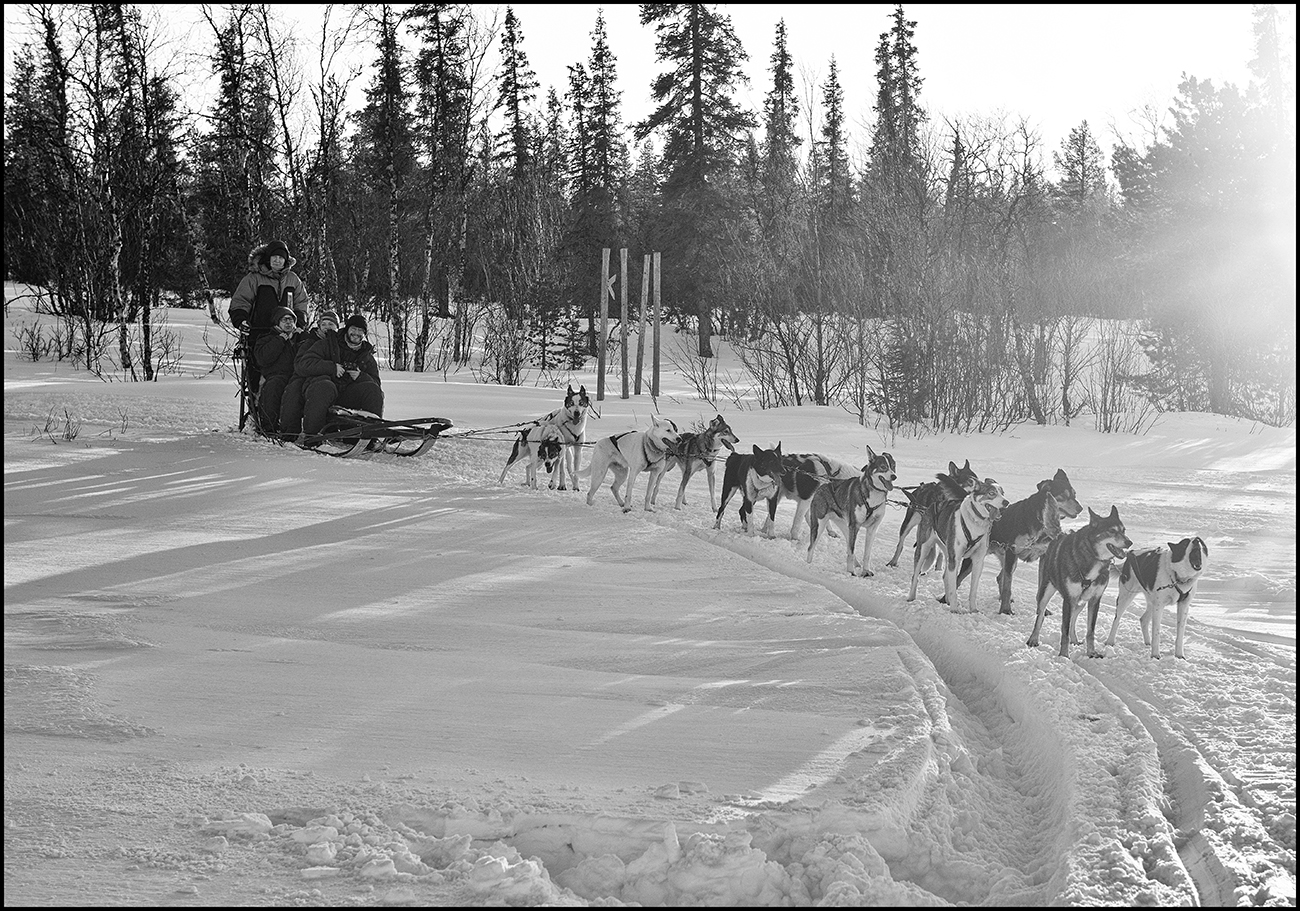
x: 1183, y: 593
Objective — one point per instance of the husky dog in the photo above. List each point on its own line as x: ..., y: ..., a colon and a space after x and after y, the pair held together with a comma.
x: 1026, y: 527
x: 700, y: 450
x: 803, y: 473
x: 1166, y: 574
x: 571, y: 420
x: 852, y: 504
x: 961, y: 528
x: 951, y: 486
x: 758, y: 477
x: 540, y: 444
x: 1077, y: 564
x: 627, y: 455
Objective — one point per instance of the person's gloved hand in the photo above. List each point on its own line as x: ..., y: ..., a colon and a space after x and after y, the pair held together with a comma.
x: 239, y: 319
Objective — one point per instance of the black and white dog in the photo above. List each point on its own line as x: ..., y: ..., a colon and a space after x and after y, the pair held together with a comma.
x: 853, y: 504
x: 541, y: 444
x: 757, y: 476
x: 1166, y: 574
x: 955, y: 485
x: 696, y: 450
x: 1077, y: 564
x: 571, y: 421
x: 627, y: 455
x: 1026, y: 527
x: 961, y: 529
x: 803, y: 473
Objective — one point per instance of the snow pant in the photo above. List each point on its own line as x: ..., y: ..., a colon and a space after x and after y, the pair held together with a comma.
x: 321, y: 392
x: 269, y: 402
x: 291, y: 406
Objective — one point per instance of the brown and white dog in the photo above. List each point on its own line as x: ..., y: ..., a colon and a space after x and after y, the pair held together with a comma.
x: 696, y: 450
x: 1026, y: 527
x: 961, y: 528
x: 1077, y: 564
x: 1166, y: 574
x: 757, y: 476
x: 953, y: 486
x: 627, y: 455
x: 852, y: 505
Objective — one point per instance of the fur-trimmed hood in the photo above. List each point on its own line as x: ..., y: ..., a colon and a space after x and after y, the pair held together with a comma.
x: 257, y: 261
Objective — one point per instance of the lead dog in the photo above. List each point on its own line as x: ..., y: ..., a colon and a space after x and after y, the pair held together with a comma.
x: 1077, y: 564
x: 802, y: 473
x: 953, y: 486
x: 627, y: 455
x: 542, y: 444
x: 571, y: 421
x: 696, y: 450
x: 1026, y: 527
x: 853, y: 504
x: 1166, y: 574
x: 961, y: 528
x: 757, y: 476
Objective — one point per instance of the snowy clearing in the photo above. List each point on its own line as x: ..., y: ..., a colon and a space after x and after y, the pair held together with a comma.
x: 243, y: 674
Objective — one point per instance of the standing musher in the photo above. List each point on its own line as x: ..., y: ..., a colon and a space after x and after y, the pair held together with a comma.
x: 270, y: 283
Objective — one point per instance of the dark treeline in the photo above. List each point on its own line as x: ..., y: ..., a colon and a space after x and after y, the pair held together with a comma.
x: 929, y: 273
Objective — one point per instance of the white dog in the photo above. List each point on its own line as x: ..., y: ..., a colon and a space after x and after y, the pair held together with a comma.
x: 627, y: 455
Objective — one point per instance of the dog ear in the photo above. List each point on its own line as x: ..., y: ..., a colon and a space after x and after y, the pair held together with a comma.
x: 582, y: 390
x: 778, y: 450
x: 952, y: 468
x: 1114, y: 512
x: 757, y: 451
x: 1093, y: 518
x: 871, y: 455
x: 1060, y: 476
x: 967, y: 468
x: 1178, y: 549
x: 1044, y: 486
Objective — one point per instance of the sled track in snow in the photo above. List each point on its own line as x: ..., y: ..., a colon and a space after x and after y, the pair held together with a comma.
x: 1208, y: 812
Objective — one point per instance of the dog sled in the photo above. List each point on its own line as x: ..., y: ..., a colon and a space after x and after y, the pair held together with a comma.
x: 347, y: 432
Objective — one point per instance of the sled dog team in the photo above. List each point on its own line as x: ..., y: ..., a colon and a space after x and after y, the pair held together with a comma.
x: 959, y: 518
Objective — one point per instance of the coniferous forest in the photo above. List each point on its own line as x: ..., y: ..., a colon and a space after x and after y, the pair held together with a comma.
x: 956, y: 273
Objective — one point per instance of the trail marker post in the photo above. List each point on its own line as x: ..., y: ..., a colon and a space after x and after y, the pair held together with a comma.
x: 622, y: 322
x: 640, y: 334
x: 654, y: 375
x: 605, y: 292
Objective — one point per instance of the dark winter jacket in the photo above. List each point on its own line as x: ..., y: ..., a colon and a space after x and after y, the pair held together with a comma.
x: 262, y: 290
x: 275, y: 354
x: 318, y: 357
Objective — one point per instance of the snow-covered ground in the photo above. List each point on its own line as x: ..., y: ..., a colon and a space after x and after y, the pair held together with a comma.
x: 243, y: 674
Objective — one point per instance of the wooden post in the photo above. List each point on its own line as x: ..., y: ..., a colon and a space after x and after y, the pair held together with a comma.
x: 654, y: 374
x: 640, y: 335
x: 622, y: 323
x: 604, y: 324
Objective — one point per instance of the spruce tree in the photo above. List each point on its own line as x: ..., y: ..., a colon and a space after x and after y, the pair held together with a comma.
x: 703, y: 128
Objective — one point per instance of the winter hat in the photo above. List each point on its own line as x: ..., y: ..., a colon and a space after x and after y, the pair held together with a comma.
x: 280, y: 313
x: 275, y: 248
x: 331, y: 315
x: 357, y: 320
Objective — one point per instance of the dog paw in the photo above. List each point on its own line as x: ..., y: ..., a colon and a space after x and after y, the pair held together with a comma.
x: 866, y: 574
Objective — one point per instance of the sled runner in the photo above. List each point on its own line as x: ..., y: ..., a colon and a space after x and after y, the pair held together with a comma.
x: 349, y: 432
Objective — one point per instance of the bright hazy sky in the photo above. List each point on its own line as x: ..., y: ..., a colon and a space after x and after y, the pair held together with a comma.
x: 1056, y: 64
